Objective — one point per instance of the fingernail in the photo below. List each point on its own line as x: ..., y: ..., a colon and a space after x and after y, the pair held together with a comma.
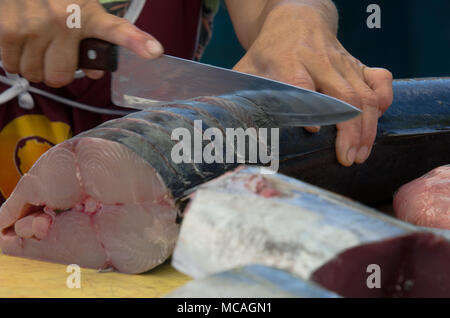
x: 313, y: 129
x: 95, y: 74
x: 362, y: 155
x: 154, y: 48
x: 351, y: 154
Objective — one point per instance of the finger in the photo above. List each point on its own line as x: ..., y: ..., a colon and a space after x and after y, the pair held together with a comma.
x: 94, y: 74
x: 32, y: 60
x: 369, y: 118
x: 347, y: 141
x: 313, y: 129
x: 368, y: 133
x: 11, y: 46
x: 121, y: 32
x: 301, y: 79
x: 380, y: 80
x: 60, y: 62
x: 348, y: 133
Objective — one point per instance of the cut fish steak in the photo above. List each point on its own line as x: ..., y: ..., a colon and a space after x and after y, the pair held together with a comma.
x: 108, y: 197
x: 94, y: 203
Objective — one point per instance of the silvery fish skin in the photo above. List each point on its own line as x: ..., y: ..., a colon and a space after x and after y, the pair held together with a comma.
x: 110, y: 197
x: 254, y: 281
x: 245, y: 218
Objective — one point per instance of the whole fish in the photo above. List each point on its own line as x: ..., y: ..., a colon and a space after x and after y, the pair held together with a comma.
x: 111, y: 197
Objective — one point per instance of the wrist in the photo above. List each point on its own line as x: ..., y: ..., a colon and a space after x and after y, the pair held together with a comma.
x: 322, y: 12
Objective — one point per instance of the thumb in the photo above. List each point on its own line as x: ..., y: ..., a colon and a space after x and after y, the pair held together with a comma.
x: 121, y: 32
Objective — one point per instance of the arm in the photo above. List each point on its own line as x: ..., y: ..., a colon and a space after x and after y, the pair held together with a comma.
x: 248, y: 16
x: 295, y: 41
x: 36, y: 42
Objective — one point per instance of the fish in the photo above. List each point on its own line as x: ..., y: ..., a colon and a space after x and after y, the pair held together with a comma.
x: 112, y: 197
x: 413, y: 138
x: 426, y: 200
x: 245, y: 218
x: 252, y: 281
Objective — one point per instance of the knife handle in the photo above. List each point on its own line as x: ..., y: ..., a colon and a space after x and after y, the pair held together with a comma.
x: 97, y: 54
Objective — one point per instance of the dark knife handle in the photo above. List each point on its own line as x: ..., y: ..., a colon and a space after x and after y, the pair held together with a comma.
x: 98, y: 55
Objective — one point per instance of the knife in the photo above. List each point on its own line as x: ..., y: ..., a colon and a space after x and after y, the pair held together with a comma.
x: 139, y: 84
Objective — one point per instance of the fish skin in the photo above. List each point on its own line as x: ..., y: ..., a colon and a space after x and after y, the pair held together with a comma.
x: 253, y: 281
x: 413, y: 138
x: 310, y: 233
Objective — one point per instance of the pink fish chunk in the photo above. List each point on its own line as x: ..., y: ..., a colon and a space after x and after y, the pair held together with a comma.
x: 426, y: 201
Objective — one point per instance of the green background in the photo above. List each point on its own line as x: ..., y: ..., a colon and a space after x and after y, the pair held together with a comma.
x: 414, y: 39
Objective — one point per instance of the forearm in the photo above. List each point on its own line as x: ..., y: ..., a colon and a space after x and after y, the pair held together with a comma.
x: 248, y: 17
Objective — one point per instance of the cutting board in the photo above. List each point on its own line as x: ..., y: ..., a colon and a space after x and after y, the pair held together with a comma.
x: 21, y: 277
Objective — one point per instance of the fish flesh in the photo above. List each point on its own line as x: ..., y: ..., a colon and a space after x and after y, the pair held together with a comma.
x: 111, y: 197
x: 93, y: 210
x: 403, y: 265
x: 244, y: 218
x: 426, y: 201
x: 253, y: 281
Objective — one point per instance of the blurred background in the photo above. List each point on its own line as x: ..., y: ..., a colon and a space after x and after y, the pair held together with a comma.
x: 414, y: 39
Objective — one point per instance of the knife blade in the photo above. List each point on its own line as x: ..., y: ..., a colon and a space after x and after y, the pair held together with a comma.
x: 139, y: 84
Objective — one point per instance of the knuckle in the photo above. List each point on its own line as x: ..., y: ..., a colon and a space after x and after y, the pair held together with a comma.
x: 303, y: 82
x: 56, y: 17
x: 341, y: 55
x: 116, y: 23
x: 10, y: 67
x: 369, y: 98
x: 264, y: 55
x: 9, y: 37
x: 32, y: 34
x: 349, y: 95
x: 324, y: 59
x: 35, y: 77
x: 95, y: 27
x: 387, y: 74
x: 58, y: 79
x: 121, y: 22
x: 35, y: 26
x: 380, y: 74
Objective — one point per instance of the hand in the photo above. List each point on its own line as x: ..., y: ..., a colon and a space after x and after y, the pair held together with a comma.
x: 298, y: 46
x: 36, y: 42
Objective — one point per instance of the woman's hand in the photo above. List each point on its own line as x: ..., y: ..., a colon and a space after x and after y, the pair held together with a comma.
x: 297, y: 45
x: 36, y: 42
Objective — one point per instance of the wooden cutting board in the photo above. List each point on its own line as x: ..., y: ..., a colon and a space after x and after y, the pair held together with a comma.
x: 21, y: 277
